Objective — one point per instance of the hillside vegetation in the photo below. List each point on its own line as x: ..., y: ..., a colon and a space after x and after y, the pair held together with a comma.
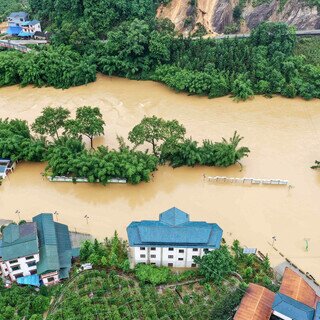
x: 125, y: 39
x: 8, y: 6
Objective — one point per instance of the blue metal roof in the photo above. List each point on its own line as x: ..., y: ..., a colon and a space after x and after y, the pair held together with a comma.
x: 30, y: 23
x: 25, y: 34
x: 174, y: 229
x: 19, y: 241
x: 54, y: 244
x: 20, y: 14
x: 32, y: 280
x: 292, y: 308
x: 14, y: 30
x: 317, y: 314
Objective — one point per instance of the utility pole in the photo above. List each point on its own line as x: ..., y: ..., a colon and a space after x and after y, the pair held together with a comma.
x: 18, y: 213
x: 274, y: 239
x: 56, y: 213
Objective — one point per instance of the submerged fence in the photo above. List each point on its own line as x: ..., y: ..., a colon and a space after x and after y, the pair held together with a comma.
x: 246, y: 180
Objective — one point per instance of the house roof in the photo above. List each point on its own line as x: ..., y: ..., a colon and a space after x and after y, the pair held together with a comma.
x: 297, y: 288
x: 25, y: 34
x: 256, y: 304
x: 32, y: 280
x: 30, y: 23
x: 317, y: 313
x: 54, y: 243
x: 19, y: 241
x: 14, y: 30
x: 292, y: 308
x: 20, y: 14
x: 174, y: 229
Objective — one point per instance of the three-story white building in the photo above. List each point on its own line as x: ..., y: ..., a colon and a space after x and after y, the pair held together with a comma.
x: 172, y: 241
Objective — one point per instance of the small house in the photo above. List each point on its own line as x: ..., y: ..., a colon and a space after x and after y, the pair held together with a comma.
x: 29, y: 28
x: 296, y: 300
x: 15, y: 21
x: 173, y: 240
x: 37, y: 252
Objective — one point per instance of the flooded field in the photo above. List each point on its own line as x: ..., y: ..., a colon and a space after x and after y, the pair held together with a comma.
x: 283, y: 135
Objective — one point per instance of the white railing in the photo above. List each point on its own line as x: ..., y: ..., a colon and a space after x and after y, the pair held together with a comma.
x: 246, y: 180
x: 71, y: 179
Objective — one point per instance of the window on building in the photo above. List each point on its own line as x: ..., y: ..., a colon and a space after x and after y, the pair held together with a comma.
x: 15, y: 268
x: 31, y: 264
x: 153, y: 263
x: 153, y: 248
x: 170, y: 256
x: 142, y: 248
x: 205, y: 250
x: 181, y: 251
x: 33, y: 271
x: 142, y: 255
x: 193, y: 265
x: 13, y: 261
x: 30, y: 258
x: 18, y: 275
x: 194, y: 257
x: 180, y: 259
x: 194, y: 249
x: 170, y: 249
x: 153, y: 256
x: 51, y: 279
x: 170, y: 264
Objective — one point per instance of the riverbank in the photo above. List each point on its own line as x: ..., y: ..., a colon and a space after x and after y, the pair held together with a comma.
x: 281, y: 133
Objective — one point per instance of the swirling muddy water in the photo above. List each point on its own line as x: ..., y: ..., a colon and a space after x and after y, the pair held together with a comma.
x: 283, y: 135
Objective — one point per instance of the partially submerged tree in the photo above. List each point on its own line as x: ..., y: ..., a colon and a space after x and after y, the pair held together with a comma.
x: 154, y: 130
x: 51, y: 121
x: 88, y: 122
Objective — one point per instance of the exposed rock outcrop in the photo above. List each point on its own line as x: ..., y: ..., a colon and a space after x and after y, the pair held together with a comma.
x: 215, y: 15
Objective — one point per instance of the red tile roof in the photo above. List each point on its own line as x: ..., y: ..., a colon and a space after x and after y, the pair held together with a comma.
x: 297, y: 288
x: 256, y: 304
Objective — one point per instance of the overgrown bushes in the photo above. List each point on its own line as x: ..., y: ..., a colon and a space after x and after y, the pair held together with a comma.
x: 59, y: 142
x: 58, y: 67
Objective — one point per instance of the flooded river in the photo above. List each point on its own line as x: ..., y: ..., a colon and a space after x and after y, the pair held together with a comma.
x: 283, y: 135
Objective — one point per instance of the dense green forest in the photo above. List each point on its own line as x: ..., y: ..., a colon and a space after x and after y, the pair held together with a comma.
x: 58, y: 139
x: 123, y: 38
x: 8, y: 6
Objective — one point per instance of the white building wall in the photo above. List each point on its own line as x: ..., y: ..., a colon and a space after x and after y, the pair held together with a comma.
x: 20, y: 267
x: 50, y: 278
x: 166, y: 256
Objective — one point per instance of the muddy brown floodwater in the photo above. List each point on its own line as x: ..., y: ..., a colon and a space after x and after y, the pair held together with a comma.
x: 283, y: 135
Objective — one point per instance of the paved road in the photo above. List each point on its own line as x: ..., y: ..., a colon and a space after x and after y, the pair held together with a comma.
x: 24, y: 42
x: 299, y: 33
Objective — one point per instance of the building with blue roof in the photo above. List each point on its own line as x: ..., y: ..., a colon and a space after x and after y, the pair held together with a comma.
x: 173, y: 240
x: 40, y: 248
x: 296, y: 300
x: 15, y: 21
x: 285, y: 307
x: 29, y: 28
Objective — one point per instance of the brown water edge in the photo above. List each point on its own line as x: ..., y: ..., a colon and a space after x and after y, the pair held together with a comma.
x: 283, y: 135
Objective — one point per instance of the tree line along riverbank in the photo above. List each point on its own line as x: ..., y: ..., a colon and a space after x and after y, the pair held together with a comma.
x: 127, y: 40
x: 56, y: 138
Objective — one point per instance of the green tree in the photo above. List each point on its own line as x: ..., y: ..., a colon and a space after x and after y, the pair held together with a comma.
x: 88, y: 122
x: 154, y: 130
x: 51, y: 121
x: 216, y: 265
x: 241, y: 88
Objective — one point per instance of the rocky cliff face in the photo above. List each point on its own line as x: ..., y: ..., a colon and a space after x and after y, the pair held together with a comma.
x: 216, y: 15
